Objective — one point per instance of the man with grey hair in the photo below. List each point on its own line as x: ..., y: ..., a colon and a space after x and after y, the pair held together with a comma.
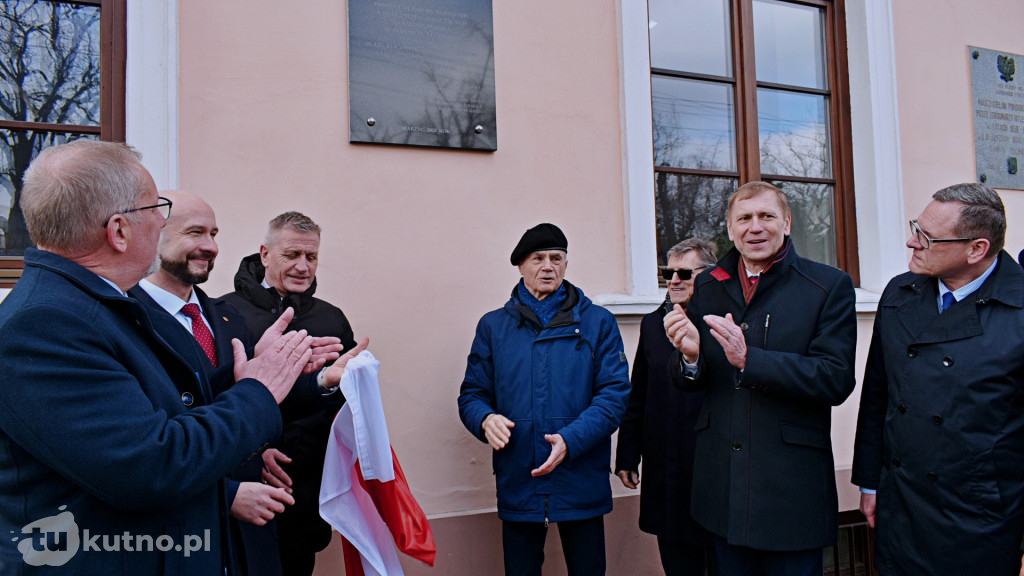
x: 104, y: 425
x: 282, y: 275
x: 659, y: 425
x: 940, y: 434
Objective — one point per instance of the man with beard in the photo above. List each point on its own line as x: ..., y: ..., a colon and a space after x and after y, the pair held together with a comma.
x: 186, y: 255
x: 283, y: 275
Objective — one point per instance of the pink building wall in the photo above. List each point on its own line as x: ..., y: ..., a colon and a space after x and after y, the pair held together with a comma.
x: 416, y: 241
x: 935, y: 102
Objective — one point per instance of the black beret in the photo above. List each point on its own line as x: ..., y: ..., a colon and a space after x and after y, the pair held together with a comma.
x: 540, y: 237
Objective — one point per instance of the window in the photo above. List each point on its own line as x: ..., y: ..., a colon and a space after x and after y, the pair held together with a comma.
x: 746, y: 90
x: 61, y: 78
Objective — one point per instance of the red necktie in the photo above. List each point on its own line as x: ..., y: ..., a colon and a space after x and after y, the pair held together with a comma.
x: 201, y: 332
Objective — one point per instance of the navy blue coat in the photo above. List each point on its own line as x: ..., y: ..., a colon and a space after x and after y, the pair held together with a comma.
x: 764, y: 476
x: 570, y: 378
x: 940, y: 433
x: 659, y: 429
x: 92, y: 418
x: 255, y: 547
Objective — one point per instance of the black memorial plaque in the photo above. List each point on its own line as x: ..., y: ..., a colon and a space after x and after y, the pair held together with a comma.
x: 421, y: 73
x: 997, y: 80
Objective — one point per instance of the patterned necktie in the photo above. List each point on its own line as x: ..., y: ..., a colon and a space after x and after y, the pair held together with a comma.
x: 947, y: 301
x: 201, y: 332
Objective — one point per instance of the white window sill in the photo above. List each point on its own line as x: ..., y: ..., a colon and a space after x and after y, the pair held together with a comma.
x: 629, y: 308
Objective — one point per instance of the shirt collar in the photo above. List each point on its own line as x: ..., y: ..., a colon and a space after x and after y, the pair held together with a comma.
x: 114, y: 286
x: 169, y: 302
x: 969, y: 288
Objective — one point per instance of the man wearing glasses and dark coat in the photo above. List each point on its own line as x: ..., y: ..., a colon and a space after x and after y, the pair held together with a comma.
x: 940, y: 433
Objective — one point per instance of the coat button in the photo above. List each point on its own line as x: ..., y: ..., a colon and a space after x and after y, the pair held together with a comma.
x: 901, y: 409
x: 187, y: 399
x: 737, y: 446
x: 933, y: 477
x: 912, y: 352
x: 744, y: 326
x: 897, y: 462
x: 937, y: 419
x: 947, y: 361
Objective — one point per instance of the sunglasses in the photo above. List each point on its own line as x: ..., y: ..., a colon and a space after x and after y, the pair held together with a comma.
x: 684, y: 273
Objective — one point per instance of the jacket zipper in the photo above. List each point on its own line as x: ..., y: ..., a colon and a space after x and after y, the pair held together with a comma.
x: 767, y: 319
x: 546, y: 511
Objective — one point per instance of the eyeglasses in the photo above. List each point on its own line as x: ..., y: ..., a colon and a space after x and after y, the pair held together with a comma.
x: 164, y: 206
x: 684, y: 273
x: 927, y: 242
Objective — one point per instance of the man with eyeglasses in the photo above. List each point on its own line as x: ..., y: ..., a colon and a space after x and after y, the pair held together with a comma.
x: 107, y: 433
x: 771, y: 338
x: 659, y: 426
x: 940, y: 434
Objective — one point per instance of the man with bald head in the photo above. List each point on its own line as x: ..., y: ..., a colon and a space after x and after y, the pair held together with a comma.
x: 187, y: 252
x: 107, y: 433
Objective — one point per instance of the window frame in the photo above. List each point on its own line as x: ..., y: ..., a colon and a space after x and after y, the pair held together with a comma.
x: 112, y: 127
x: 876, y: 150
x: 745, y: 88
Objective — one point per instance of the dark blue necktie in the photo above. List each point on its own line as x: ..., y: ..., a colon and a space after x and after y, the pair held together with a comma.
x: 947, y: 301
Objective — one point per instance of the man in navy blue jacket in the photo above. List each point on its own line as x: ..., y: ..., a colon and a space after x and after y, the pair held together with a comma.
x: 113, y: 449
x: 546, y: 385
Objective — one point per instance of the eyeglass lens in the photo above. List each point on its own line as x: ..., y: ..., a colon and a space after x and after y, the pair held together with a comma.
x: 684, y: 274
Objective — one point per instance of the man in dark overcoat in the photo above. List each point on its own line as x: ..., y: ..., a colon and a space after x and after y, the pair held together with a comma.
x: 658, y: 426
x: 771, y: 338
x: 940, y: 433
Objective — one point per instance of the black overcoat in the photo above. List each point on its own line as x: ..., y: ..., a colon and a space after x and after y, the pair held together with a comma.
x: 764, y: 476
x: 659, y: 429
x: 940, y: 433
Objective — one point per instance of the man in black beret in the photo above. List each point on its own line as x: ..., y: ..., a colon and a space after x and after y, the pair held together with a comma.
x: 546, y: 386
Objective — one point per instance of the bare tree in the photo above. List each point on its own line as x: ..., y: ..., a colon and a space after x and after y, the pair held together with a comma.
x: 50, y: 74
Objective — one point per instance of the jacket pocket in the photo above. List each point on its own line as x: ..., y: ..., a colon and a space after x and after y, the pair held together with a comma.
x: 805, y: 437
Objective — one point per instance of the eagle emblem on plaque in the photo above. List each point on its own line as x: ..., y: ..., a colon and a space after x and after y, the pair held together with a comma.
x: 1007, y: 67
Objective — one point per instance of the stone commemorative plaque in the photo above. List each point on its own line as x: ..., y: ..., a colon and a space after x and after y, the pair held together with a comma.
x: 998, y: 92
x: 421, y: 73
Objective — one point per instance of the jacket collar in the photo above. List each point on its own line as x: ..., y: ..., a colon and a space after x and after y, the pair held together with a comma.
x: 918, y: 311
x: 727, y: 270
x: 78, y: 275
x: 568, y: 314
x: 93, y: 285
x: 249, y: 284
